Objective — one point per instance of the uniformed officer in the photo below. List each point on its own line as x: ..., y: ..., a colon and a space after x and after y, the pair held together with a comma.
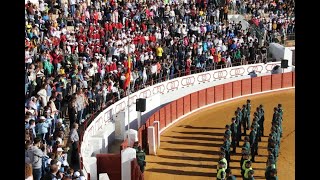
x: 267, y: 173
x: 270, y: 158
x: 280, y: 110
x: 273, y: 174
x: 274, y: 116
x: 245, y: 157
x: 244, y: 119
x: 234, y: 130
x: 226, y: 148
x: 239, y: 123
x: 261, y: 112
x: 228, y: 131
x: 248, y: 106
x: 221, y: 172
x: 246, y: 144
x: 252, y: 140
x: 222, y: 156
x: 257, y: 130
x: 141, y: 158
x: 229, y: 175
x: 247, y: 168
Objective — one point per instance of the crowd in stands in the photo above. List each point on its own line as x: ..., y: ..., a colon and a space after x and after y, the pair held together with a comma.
x: 233, y: 135
x: 78, y: 54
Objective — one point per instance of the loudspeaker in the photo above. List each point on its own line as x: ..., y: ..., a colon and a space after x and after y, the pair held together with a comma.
x: 141, y: 104
x: 284, y: 63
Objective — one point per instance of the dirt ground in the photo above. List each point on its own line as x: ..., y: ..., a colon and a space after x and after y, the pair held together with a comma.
x: 189, y: 149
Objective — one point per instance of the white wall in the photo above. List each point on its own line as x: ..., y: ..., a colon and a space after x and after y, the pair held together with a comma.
x: 280, y: 52
x: 163, y: 93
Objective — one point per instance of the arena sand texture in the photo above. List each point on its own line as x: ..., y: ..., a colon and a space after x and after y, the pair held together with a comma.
x: 189, y: 148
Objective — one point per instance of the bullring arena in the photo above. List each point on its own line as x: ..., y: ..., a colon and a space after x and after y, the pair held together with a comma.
x: 187, y: 117
x: 189, y: 149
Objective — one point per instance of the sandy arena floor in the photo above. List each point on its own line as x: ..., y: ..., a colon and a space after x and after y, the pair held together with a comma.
x: 189, y: 149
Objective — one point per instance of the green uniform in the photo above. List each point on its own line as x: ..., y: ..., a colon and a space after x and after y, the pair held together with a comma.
x: 252, y: 141
x: 141, y: 157
x: 243, y: 166
x: 226, y: 147
x: 234, y: 136
x: 238, y: 121
x: 248, y: 114
x: 247, y: 146
x: 244, y: 119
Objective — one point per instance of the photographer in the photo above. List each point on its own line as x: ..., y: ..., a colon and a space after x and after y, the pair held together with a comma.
x: 36, y: 154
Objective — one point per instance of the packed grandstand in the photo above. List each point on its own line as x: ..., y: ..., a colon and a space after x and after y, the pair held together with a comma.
x: 81, y: 56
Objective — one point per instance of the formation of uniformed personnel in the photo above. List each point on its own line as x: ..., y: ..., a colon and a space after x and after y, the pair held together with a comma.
x: 229, y: 174
x: 221, y: 172
x: 141, y: 158
x: 234, y: 134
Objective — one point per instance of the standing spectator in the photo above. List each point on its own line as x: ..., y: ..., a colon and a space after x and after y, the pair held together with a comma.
x: 36, y: 154
x: 74, y: 140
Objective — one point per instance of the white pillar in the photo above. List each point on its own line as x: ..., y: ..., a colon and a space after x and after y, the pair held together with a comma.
x: 151, y: 139
x: 127, y: 155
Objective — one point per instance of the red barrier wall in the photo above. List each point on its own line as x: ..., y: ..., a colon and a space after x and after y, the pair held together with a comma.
x: 246, y: 86
x: 136, y: 174
x: 294, y: 78
x: 276, y: 81
x: 202, y: 96
x: 186, y: 104
x: 109, y: 163
x: 256, y: 84
x: 287, y: 79
x: 210, y: 95
x: 162, y: 117
x: 236, y: 88
x: 194, y: 101
x: 227, y: 90
x: 152, y: 118
x: 218, y: 93
x: 173, y: 110
x: 266, y: 83
x: 179, y: 107
x: 167, y: 111
x: 157, y: 116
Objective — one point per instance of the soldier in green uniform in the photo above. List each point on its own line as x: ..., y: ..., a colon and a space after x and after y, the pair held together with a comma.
x: 239, y: 123
x: 221, y: 172
x: 234, y: 129
x: 257, y: 130
x: 226, y: 148
x: 229, y: 175
x: 248, y: 167
x: 248, y: 106
x: 271, y: 159
x: 222, y: 156
x: 267, y: 173
x: 274, y: 116
x: 244, y: 119
x: 141, y: 158
x: 246, y: 144
x: 273, y: 175
x: 245, y: 158
x: 261, y: 122
x: 228, y: 131
x: 252, y: 140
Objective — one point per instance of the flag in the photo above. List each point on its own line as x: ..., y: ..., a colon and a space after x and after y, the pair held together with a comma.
x: 128, y: 74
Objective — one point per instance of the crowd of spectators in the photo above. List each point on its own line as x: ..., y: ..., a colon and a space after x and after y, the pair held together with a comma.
x: 77, y: 53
